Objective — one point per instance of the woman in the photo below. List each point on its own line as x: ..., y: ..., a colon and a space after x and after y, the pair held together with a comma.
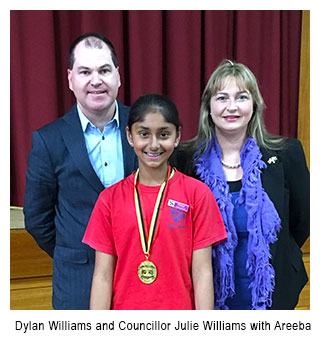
x: 261, y: 184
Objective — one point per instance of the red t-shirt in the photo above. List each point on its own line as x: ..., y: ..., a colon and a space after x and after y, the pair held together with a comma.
x: 113, y: 229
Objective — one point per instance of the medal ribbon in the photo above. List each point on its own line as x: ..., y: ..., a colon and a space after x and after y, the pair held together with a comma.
x: 146, y: 244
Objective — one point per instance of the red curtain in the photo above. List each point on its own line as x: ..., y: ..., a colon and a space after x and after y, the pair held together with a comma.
x: 172, y: 52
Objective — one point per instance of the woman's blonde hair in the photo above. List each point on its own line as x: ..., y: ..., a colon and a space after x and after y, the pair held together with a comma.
x: 245, y: 80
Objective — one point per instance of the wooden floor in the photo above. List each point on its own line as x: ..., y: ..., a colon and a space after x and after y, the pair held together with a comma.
x: 31, y: 275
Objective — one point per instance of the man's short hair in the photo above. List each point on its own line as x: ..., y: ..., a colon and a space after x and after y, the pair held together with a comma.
x: 92, y: 40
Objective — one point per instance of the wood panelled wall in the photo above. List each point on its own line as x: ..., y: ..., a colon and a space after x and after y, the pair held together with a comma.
x: 304, y: 91
x: 304, y: 129
x: 30, y: 273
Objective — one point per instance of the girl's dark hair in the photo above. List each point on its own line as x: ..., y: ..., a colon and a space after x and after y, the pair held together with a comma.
x: 154, y: 103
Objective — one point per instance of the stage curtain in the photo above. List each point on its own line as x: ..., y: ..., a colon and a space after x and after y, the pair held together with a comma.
x: 171, y: 52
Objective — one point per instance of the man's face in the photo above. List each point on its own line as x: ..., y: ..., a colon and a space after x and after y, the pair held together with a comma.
x: 94, y: 79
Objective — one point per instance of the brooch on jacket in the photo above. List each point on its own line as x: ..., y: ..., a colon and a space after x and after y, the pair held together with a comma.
x: 272, y: 159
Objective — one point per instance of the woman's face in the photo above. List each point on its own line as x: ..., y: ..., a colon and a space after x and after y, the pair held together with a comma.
x: 231, y: 108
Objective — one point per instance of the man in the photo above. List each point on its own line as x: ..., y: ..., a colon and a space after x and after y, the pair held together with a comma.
x: 71, y: 161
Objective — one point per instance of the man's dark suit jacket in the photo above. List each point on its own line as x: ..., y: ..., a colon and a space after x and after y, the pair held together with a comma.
x: 287, y: 182
x: 61, y: 190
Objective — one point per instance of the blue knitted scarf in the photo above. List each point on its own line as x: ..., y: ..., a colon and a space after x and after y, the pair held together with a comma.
x: 263, y: 224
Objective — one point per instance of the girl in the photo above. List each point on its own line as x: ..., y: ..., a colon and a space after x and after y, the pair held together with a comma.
x: 153, y: 231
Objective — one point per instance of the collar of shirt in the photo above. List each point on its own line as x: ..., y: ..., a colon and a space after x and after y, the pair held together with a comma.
x: 104, y: 148
x: 85, y: 121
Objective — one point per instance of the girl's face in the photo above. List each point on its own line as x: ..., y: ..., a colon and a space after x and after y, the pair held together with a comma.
x: 153, y: 140
x: 231, y: 108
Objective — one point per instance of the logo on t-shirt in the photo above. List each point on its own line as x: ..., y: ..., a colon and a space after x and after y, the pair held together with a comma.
x: 177, y: 217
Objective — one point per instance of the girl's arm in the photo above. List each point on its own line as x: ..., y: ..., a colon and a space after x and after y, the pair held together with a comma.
x: 202, y: 278
x: 102, y: 281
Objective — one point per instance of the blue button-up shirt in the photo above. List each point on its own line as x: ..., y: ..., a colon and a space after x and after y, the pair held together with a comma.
x: 104, y: 148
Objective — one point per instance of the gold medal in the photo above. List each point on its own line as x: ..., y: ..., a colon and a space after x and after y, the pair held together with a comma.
x: 147, y: 272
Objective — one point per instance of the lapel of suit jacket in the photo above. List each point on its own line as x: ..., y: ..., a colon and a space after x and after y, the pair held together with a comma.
x: 273, y: 182
x: 72, y: 134
x: 129, y: 158
x: 273, y: 178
